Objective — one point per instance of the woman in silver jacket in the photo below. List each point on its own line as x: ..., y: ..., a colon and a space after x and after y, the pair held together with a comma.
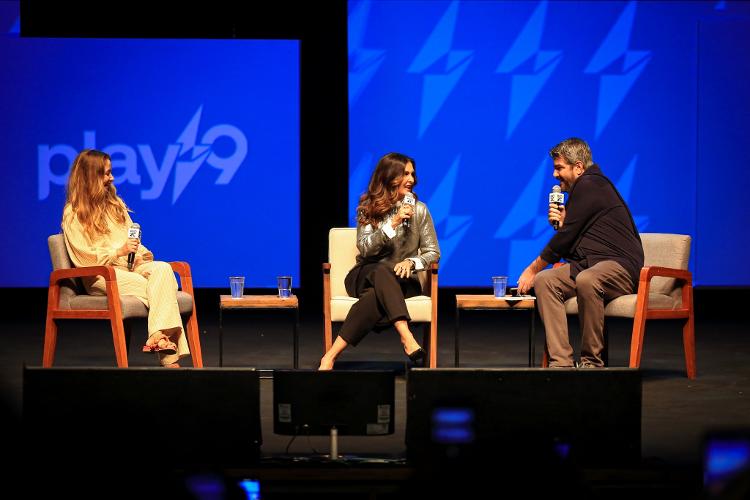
x: 396, y: 238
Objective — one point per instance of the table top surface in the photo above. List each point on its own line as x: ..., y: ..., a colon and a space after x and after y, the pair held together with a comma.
x: 258, y: 302
x: 491, y: 302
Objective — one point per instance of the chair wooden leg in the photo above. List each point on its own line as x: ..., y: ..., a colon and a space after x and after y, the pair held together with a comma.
x: 194, y: 341
x: 50, y: 328
x: 688, y: 340
x: 688, y: 335
x: 545, y: 357
x: 118, y: 338
x: 636, y: 340
x: 50, y: 342
x: 433, y: 349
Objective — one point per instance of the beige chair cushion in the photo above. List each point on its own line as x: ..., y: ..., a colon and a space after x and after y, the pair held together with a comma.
x: 131, y: 306
x: 342, y: 255
x: 624, y: 306
x: 659, y: 250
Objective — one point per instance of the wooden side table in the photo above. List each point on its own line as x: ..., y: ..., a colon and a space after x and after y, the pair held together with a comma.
x: 490, y: 303
x: 260, y: 302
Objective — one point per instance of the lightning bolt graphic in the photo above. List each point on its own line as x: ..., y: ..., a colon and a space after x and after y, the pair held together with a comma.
x: 526, y: 87
x: 363, y: 62
x: 437, y: 87
x: 186, y: 169
x: 613, y: 87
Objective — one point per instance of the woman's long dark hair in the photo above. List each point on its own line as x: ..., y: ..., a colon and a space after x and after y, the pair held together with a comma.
x: 382, y: 192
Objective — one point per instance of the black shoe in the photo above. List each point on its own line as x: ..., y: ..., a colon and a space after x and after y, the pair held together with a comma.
x: 417, y: 355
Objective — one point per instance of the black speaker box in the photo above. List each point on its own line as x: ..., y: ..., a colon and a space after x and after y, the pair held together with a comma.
x: 518, y: 417
x: 157, y: 418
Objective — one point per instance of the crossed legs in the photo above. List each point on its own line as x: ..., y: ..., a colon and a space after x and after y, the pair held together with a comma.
x: 381, y: 304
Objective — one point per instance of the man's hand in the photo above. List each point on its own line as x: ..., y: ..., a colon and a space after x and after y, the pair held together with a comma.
x: 526, y: 281
x: 556, y: 213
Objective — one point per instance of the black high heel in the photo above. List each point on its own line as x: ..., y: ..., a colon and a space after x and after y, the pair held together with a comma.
x: 417, y: 355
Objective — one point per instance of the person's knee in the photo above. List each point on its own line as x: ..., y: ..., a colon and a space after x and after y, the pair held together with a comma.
x: 161, y: 266
x: 380, y: 273
x: 543, y: 279
x: 586, y: 282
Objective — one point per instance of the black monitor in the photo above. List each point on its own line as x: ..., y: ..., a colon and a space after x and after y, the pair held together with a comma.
x: 191, y: 417
x: 311, y: 402
x: 523, y: 415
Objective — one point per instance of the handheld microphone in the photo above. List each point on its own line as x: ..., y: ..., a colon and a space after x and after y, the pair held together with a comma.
x: 133, y: 232
x: 409, y: 200
x: 556, y: 197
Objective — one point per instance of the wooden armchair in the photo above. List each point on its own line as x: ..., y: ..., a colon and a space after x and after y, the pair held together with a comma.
x: 342, y: 253
x: 665, y: 291
x: 67, y: 299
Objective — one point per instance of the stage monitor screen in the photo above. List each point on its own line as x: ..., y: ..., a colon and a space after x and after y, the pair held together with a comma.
x: 355, y: 402
x: 463, y: 415
x: 204, y: 138
x: 199, y: 417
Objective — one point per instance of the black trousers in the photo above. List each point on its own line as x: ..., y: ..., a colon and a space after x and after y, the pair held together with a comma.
x: 382, y: 297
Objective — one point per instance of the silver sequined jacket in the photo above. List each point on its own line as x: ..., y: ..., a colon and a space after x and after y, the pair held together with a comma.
x: 419, y: 240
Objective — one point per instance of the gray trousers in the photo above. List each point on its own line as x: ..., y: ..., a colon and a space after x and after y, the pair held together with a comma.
x: 594, y: 287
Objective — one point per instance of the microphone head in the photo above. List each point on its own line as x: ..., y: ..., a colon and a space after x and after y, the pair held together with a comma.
x: 409, y: 199
x: 134, y: 231
x: 556, y: 196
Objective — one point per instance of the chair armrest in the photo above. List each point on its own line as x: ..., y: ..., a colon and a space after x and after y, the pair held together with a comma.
x: 181, y: 268
x: 432, y: 278
x: 186, y: 278
x: 112, y: 291
x: 668, y: 272
x: 644, y: 286
x: 78, y: 272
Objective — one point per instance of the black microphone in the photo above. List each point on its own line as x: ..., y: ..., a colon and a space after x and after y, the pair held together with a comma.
x: 133, y: 232
x: 409, y: 200
x: 556, y: 197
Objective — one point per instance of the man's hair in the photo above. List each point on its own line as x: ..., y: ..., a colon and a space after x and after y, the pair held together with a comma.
x: 573, y: 150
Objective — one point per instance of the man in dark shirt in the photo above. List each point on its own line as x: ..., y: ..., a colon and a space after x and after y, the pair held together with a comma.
x: 596, y: 235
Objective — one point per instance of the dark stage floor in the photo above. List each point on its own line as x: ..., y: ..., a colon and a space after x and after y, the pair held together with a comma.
x: 677, y: 413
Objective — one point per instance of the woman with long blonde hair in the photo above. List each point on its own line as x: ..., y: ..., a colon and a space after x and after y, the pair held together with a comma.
x: 395, y: 240
x: 95, y: 224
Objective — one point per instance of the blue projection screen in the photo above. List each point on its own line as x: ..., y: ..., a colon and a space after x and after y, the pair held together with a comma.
x: 201, y: 132
x: 479, y: 91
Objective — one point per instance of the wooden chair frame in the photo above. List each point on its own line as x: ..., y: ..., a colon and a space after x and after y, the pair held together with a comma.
x: 643, y: 313
x: 113, y: 313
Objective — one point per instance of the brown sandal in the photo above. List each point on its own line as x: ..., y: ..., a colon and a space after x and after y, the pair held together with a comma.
x: 161, y: 344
